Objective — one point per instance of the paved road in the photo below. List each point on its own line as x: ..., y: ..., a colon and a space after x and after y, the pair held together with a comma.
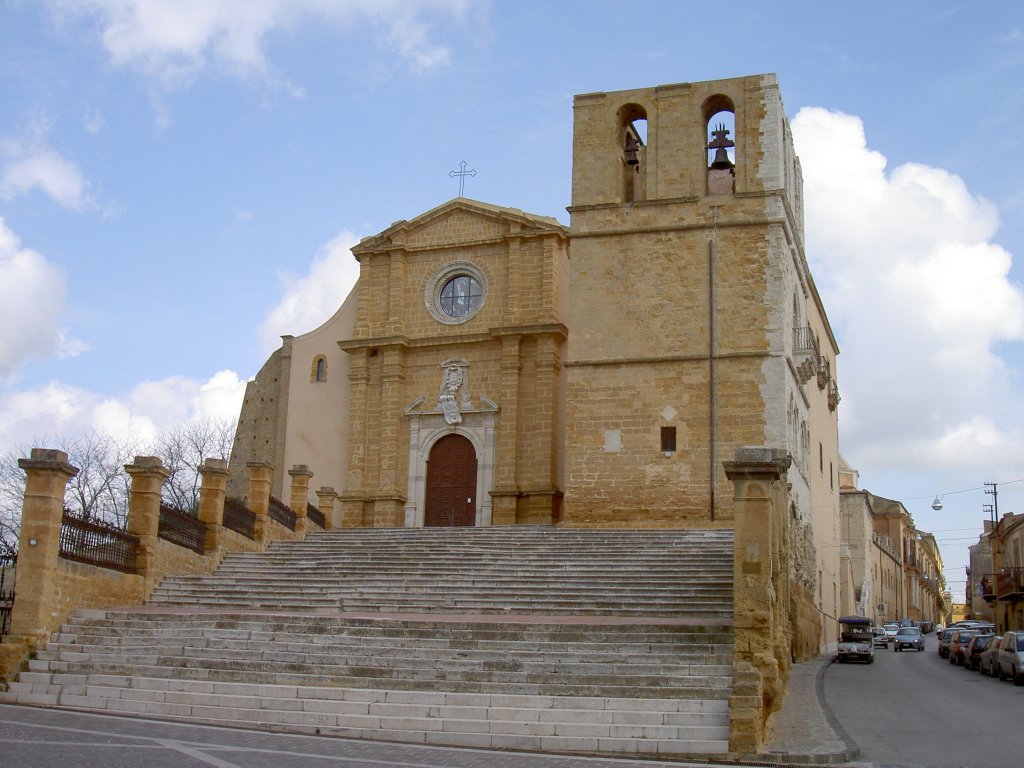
x: 46, y: 738
x: 915, y: 709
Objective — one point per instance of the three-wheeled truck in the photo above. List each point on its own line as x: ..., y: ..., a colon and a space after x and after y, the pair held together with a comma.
x: 855, y: 639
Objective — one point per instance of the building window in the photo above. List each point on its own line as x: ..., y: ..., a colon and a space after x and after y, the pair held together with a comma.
x: 633, y: 139
x: 461, y: 296
x: 668, y: 440
x: 720, y: 124
x: 318, y: 371
x: 455, y: 293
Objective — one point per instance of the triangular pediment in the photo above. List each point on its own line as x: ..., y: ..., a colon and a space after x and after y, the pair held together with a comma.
x: 456, y: 223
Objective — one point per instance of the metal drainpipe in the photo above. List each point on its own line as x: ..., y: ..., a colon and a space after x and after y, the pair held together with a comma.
x: 712, y: 421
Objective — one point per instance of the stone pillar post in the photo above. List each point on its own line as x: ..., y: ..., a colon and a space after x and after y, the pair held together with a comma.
x: 47, y: 474
x: 148, y: 474
x: 299, y: 497
x: 214, y: 474
x: 757, y: 474
x: 260, y: 475
x: 325, y: 501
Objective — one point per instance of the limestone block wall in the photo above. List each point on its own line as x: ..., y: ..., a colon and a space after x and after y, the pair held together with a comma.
x: 259, y: 436
x: 79, y: 585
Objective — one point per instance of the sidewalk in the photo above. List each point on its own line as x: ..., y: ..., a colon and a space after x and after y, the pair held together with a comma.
x: 804, y: 730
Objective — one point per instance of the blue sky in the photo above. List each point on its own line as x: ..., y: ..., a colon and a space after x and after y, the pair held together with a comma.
x: 180, y: 181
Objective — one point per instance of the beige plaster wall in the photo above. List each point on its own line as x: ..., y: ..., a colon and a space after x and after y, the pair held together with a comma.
x: 317, y: 428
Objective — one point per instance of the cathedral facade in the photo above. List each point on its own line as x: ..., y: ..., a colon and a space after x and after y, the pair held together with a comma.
x: 495, y: 367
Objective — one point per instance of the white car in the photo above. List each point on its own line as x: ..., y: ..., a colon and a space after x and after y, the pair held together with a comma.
x: 890, y: 631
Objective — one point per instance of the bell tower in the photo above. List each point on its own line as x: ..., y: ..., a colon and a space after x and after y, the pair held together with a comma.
x: 686, y: 252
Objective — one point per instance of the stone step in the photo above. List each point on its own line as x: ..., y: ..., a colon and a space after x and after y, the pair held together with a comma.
x: 454, y: 626
x: 531, y: 638
x: 333, y: 645
x: 483, y: 720
x: 416, y: 679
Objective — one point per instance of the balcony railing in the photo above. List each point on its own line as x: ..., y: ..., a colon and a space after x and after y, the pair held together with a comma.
x: 1010, y: 584
x: 805, y: 354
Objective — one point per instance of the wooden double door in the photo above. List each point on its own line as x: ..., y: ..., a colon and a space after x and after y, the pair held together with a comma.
x: 451, y: 483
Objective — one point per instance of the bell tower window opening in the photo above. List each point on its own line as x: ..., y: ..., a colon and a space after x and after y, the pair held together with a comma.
x: 720, y: 142
x: 633, y: 145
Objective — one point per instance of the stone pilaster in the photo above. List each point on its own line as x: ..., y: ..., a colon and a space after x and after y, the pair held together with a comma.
x: 47, y: 474
x: 506, y: 492
x: 326, y: 497
x: 759, y: 492
x: 260, y: 476
x: 298, y: 499
x: 359, y: 386
x: 148, y: 474
x: 389, y: 504
x: 214, y: 474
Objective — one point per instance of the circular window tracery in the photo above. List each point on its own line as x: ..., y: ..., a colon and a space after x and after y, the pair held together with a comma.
x: 456, y: 292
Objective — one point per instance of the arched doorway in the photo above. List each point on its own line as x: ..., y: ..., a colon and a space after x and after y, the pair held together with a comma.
x: 451, y: 483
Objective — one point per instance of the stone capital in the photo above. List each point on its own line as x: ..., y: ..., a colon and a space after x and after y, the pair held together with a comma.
x: 45, y: 459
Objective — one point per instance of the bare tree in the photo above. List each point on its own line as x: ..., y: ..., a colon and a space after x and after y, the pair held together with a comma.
x: 100, y: 490
x: 183, y: 449
x: 12, y: 494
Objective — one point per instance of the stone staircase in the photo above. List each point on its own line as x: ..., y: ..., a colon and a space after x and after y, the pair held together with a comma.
x: 513, y: 637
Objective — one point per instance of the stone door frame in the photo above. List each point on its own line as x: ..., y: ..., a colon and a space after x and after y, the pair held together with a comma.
x: 425, y: 429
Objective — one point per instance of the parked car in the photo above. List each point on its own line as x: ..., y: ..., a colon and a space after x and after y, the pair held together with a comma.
x: 880, y: 638
x: 958, y: 645
x: 891, y: 630
x: 944, y: 637
x: 1011, y: 658
x: 908, y: 637
x: 988, y: 664
x: 977, y: 644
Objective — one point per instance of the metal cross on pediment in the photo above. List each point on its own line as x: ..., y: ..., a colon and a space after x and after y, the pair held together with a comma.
x: 462, y: 173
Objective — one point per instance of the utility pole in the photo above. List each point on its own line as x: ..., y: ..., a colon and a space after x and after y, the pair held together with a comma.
x: 992, y: 489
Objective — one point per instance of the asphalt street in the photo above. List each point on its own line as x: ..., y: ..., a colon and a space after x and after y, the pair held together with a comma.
x: 915, y: 709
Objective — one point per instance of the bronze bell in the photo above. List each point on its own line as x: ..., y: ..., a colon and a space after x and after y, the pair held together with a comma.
x: 631, y: 149
x: 722, y: 161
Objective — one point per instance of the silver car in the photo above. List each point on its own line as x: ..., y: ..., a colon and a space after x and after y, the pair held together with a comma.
x: 908, y: 637
x: 1011, y: 658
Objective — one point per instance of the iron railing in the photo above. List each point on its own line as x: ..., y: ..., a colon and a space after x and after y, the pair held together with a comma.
x: 179, y: 527
x: 316, y: 515
x: 804, y: 340
x: 239, y: 518
x: 87, y: 541
x: 7, y: 565
x: 280, y: 512
x: 1010, y: 584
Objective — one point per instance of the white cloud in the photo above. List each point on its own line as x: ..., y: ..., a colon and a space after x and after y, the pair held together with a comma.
x: 32, y: 294
x: 151, y: 407
x: 28, y: 164
x: 919, y: 297
x: 173, y: 41
x: 310, y: 300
